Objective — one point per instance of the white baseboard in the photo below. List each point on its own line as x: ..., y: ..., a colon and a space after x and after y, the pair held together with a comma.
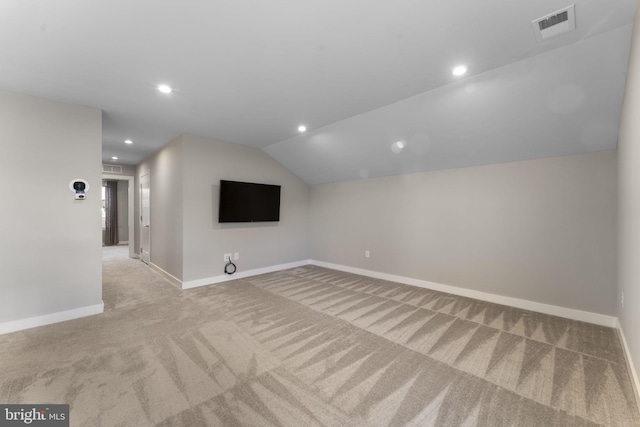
x: 632, y: 369
x: 48, y: 319
x: 554, y: 310
x: 241, y: 274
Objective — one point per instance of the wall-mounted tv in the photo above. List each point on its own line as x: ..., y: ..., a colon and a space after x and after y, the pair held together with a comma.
x: 248, y: 202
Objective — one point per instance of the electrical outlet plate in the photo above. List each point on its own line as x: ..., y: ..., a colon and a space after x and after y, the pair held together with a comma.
x: 227, y: 257
x: 367, y: 254
x: 236, y: 256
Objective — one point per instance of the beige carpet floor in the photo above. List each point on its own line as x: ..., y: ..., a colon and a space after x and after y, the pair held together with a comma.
x: 314, y: 347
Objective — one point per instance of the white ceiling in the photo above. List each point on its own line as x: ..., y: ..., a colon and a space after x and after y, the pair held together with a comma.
x: 361, y: 74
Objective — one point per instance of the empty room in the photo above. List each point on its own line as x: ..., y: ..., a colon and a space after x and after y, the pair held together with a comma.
x: 320, y: 213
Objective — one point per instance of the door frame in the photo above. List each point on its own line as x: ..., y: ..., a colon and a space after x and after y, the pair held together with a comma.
x: 139, y: 189
x: 130, y: 208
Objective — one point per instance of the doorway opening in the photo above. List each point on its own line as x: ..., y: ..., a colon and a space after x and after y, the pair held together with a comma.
x: 145, y: 220
x: 117, y: 212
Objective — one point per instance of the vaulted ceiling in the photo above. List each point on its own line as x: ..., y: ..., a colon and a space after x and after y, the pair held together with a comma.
x: 362, y: 76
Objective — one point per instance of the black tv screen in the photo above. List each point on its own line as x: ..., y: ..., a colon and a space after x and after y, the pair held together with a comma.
x: 248, y: 202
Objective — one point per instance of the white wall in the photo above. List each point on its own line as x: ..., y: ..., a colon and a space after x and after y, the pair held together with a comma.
x: 166, y: 215
x: 629, y: 204
x: 50, y: 244
x: 186, y: 239
x: 259, y: 244
x: 541, y: 230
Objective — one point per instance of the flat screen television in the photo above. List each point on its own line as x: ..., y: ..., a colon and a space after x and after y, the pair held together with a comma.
x: 248, y: 202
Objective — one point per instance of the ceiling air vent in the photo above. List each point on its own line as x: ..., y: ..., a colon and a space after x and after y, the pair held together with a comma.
x: 111, y: 169
x: 554, y: 24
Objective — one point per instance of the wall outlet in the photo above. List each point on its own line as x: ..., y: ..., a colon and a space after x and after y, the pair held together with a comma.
x: 227, y: 257
x: 367, y: 254
x: 622, y: 299
x: 236, y: 256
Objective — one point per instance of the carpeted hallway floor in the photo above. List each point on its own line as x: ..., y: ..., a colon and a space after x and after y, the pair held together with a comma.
x: 311, y: 346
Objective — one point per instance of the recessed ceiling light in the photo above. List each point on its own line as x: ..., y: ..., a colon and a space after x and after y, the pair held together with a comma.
x: 460, y: 70
x: 128, y: 141
x: 114, y: 158
x: 165, y: 88
x: 302, y: 128
x: 398, y: 146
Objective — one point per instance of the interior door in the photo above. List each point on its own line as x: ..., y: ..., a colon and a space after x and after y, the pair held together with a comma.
x: 145, y: 220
